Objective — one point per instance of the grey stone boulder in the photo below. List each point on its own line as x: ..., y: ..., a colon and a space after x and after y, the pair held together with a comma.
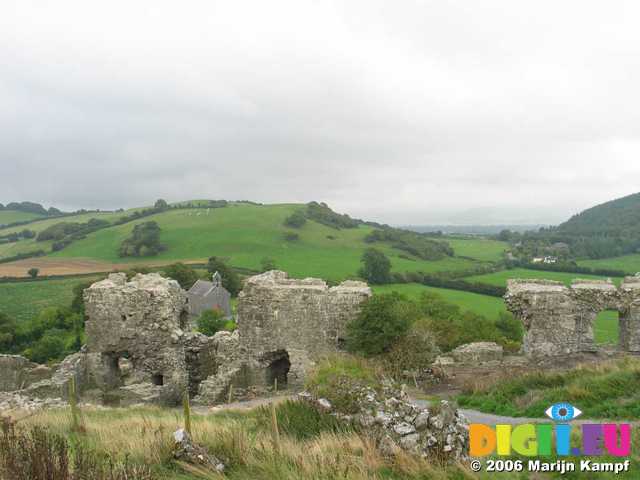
x: 477, y: 352
x: 186, y: 450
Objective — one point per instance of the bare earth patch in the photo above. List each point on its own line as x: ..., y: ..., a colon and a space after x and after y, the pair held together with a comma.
x: 78, y: 266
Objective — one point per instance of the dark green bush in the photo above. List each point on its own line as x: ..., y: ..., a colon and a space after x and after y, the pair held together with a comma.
x: 144, y: 241
x: 211, y: 322
x: 296, y: 220
x: 376, y: 267
x: 185, y: 275
x: 383, y: 319
x: 336, y: 377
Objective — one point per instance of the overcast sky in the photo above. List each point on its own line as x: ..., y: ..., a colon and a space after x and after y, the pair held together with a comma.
x: 397, y: 111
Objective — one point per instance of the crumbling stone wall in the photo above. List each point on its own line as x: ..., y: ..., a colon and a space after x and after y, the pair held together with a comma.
x: 139, y: 350
x: 284, y: 327
x: 136, y: 327
x: 558, y: 320
x: 17, y: 372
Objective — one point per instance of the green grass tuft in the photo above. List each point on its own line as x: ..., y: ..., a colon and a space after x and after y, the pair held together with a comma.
x: 608, y: 390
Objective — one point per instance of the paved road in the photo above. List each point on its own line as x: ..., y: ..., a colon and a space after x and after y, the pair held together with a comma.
x: 472, y: 416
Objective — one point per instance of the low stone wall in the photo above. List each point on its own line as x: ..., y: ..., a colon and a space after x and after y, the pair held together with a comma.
x: 17, y: 372
x: 438, y: 432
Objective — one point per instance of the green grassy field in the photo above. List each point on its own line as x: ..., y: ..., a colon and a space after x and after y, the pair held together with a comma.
x: 23, y: 246
x: 500, y: 278
x: 45, y: 223
x: 23, y: 300
x: 245, y: 234
x: 485, y: 305
x: 605, y: 327
x: 478, y: 248
x: 627, y: 263
x: 11, y: 216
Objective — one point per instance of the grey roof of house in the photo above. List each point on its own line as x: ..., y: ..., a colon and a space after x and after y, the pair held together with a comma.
x: 201, y: 288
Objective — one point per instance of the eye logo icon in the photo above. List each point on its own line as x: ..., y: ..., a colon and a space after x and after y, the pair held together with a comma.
x: 562, y: 412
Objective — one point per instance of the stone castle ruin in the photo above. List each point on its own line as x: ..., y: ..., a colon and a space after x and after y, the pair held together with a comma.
x: 140, y: 347
x: 558, y: 320
x: 284, y: 327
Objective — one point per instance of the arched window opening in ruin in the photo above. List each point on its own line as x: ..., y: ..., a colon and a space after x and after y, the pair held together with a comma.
x: 278, y: 369
x: 606, y: 328
x: 157, y: 379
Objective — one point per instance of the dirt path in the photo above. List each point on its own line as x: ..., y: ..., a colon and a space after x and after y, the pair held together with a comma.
x: 243, y: 405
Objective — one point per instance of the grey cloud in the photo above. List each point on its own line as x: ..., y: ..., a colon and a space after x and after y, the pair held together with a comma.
x: 403, y: 112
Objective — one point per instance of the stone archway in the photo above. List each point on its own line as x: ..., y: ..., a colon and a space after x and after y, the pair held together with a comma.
x: 559, y: 320
x: 278, y: 369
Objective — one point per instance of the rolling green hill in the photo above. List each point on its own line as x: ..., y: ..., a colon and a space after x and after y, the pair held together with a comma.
x: 620, y: 217
x: 245, y: 234
x: 11, y: 216
x: 608, y: 230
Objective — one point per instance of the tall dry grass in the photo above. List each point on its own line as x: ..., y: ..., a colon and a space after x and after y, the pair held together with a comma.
x: 240, y: 440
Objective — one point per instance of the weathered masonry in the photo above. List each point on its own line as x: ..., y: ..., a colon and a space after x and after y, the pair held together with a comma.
x: 284, y: 327
x: 139, y: 347
x: 558, y: 320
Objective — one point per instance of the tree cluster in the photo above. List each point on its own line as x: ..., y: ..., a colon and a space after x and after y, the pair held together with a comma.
x: 296, y: 220
x: 386, y: 321
x: 51, y: 335
x: 230, y: 279
x: 419, y: 245
x: 321, y: 213
x: 144, y: 241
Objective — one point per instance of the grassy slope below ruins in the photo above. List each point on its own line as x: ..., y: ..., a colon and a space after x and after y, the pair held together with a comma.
x: 606, y: 390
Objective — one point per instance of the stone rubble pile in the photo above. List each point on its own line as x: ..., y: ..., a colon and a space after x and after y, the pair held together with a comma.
x: 16, y: 401
x: 186, y: 450
x: 439, y: 432
x: 472, y: 353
